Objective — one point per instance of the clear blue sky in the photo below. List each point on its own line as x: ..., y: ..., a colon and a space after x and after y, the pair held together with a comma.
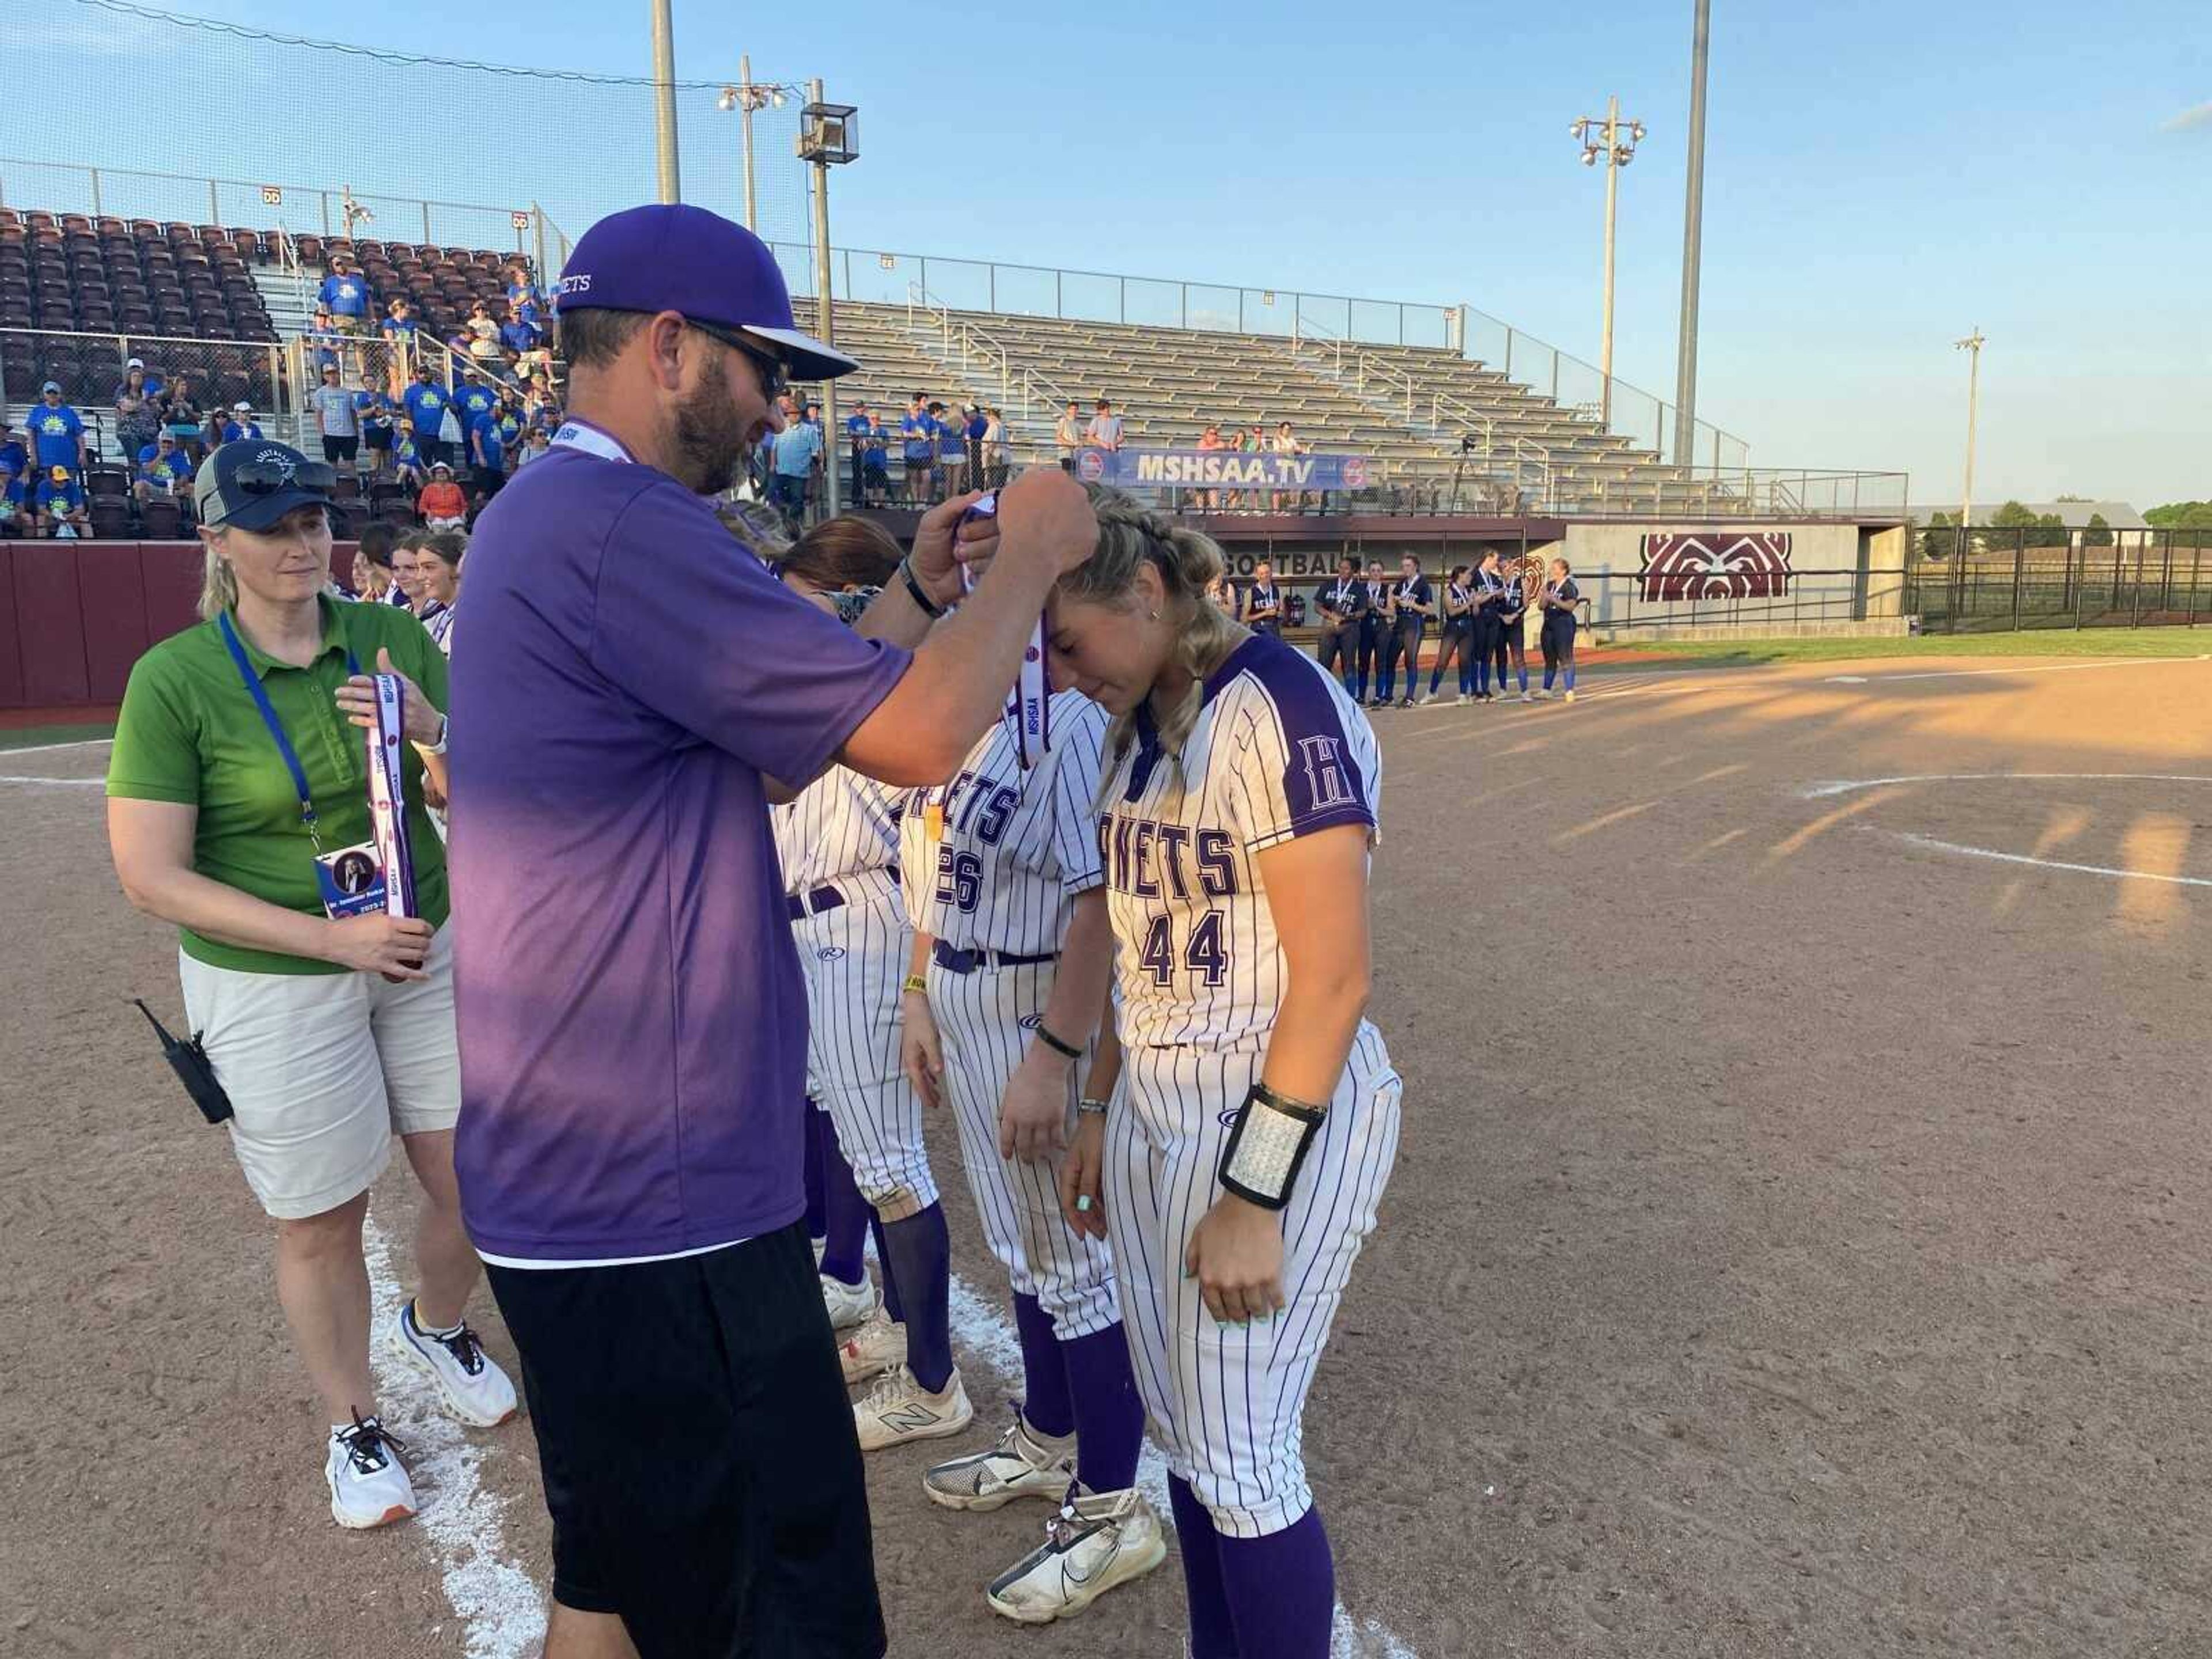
x: 1879, y: 180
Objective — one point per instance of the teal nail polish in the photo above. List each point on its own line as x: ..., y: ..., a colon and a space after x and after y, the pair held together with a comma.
x: 1082, y: 1203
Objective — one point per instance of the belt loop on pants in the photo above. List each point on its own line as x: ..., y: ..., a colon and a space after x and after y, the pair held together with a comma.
x: 955, y: 960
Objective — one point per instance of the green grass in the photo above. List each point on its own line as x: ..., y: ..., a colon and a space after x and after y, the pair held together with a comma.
x: 27, y: 737
x: 2049, y: 642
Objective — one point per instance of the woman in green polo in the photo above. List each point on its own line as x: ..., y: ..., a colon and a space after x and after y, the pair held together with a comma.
x: 238, y: 809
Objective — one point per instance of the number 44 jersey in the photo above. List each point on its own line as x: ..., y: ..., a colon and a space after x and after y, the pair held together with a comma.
x: 995, y: 860
x: 1278, y: 751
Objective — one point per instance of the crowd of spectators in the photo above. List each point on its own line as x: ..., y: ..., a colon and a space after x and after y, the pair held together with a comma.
x: 942, y: 450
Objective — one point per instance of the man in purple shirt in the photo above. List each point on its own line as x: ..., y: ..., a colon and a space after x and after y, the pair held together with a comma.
x: 632, y: 1018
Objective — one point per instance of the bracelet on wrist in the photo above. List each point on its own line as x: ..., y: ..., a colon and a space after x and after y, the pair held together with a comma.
x: 1059, y: 1046
x: 916, y: 982
x: 1090, y: 1106
x: 930, y: 608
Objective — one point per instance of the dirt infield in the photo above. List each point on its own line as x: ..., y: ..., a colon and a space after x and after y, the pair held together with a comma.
x: 1797, y: 1245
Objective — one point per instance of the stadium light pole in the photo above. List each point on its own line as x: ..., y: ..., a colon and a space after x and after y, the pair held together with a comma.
x: 746, y: 98
x: 1972, y: 345
x: 1693, y: 215
x: 1617, y: 144
x: 829, y: 136
x: 664, y: 99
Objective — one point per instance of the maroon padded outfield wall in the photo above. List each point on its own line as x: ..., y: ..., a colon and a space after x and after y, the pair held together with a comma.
x: 75, y: 615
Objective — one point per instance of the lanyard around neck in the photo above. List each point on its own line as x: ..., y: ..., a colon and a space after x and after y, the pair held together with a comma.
x: 577, y: 434
x: 260, y: 695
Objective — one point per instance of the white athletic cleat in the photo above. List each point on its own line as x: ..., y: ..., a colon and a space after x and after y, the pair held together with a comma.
x: 1540, y: 695
x: 1094, y: 1543
x: 1526, y: 697
x: 899, y: 1409
x: 848, y: 1304
x: 368, y: 1484
x: 1570, y: 694
x: 470, y: 1382
x: 872, y: 1347
x: 1464, y: 698
x: 1024, y: 1464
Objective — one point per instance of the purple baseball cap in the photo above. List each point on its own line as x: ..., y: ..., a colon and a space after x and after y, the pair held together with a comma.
x: 675, y: 257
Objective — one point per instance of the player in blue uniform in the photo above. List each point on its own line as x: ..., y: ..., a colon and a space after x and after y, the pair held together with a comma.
x: 1343, y: 606
x: 1412, y: 603
x: 1457, y: 639
x: 1375, y: 622
x: 1253, y: 1115
x: 1560, y: 599
x: 1263, y: 601
x: 1490, y: 594
x: 1512, y: 628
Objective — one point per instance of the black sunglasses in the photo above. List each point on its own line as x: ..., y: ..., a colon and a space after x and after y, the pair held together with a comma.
x: 266, y: 479
x: 774, y: 374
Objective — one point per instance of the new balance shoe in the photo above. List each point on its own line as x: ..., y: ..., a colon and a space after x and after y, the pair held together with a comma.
x: 1094, y: 1543
x: 472, y: 1385
x: 848, y: 1304
x: 1024, y: 1464
x: 899, y: 1409
x: 368, y: 1484
x: 872, y: 1347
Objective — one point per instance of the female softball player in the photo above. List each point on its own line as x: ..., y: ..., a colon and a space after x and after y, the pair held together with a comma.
x: 1512, y: 627
x: 838, y: 843
x: 1263, y: 601
x: 1009, y: 982
x: 1559, y: 599
x: 1489, y: 634
x: 1377, y: 623
x: 1238, y: 1171
x: 1458, y: 637
x: 1343, y: 605
x: 1411, y: 603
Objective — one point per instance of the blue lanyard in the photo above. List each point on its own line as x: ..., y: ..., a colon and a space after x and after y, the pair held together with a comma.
x: 260, y: 695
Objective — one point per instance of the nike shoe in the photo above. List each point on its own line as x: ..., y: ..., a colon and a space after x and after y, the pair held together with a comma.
x: 1024, y: 1464
x: 368, y: 1484
x: 872, y: 1347
x: 899, y: 1409
x: 470, y: 1384
x: 1094, y: 1543
x: 848, y: 1304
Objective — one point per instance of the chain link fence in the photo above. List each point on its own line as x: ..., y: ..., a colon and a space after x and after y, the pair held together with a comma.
x: 1988, y: 580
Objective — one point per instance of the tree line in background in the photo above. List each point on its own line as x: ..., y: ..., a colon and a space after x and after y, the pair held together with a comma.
x: 2181, y: 515
x: 1940, y: 535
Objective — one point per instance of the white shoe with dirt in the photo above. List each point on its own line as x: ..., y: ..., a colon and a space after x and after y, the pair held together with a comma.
x: 470, y: 1384
x: 899, y: 1409
x: 1024, y: 1464
x: 872, y: 1347
x: 1094, y: 1543
x: 368, y: 1484
x: 848, y: 1304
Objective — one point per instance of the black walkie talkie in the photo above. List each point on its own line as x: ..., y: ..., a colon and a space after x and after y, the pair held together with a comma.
x: 189, y: 1062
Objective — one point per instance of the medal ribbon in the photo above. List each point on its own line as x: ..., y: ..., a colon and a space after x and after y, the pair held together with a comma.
x: 387, y: 800
x: 1029, y: 708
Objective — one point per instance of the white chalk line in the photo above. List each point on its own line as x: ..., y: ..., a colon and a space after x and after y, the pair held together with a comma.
x: 1847, y: 786
x: 979, y: 1330
x: 50, y: 747
x: 2112, y: 871
x: 499, y: 1606
x: 2020, y: 668
x: 57, y: 783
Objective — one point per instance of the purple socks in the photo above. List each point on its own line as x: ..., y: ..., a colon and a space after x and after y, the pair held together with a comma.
x: 1110, y: 1417
x: 1213, y: 1633
x: 1045, y: 1404
x: 1281, y: 1589
x: 844, y: 1213
x: 917, y: 1256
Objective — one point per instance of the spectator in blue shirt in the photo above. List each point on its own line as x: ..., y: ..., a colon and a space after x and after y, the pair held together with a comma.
x: 475, y: 399
x: 398, y: 327
x: 875, y: 473
x: 56, y: 431
x: 323, y: 341
x: 522, y: 293
x: 14, y: 456
x: 14, y: 510
x: 241, y: 425
x: 488, y: 454
x: 796, y: 448
x: 951, y: 450
x: 407, y: 461
x: 517, y: 334
x: 345, y: 294
x: 59, y: 503
x: 859, y: 427
x: 163, y: 470
x: 426, y: 412
x: 373, y: 409
x: 918, y: 448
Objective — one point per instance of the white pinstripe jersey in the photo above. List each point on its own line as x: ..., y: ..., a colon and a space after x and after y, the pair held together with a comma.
x: 1278, y: 751
x: 1017, y: 847
x: 842, y: 824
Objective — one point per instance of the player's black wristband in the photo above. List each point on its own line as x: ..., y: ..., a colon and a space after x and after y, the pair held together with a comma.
x: 1058, y: 1045
x: 930, y: 608
x: 1268, y: 1147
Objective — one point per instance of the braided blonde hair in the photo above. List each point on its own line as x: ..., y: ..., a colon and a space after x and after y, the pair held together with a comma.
x: 1131, y: 535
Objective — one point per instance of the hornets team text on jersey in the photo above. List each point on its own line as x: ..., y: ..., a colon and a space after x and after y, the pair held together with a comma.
x: 1278, y: 751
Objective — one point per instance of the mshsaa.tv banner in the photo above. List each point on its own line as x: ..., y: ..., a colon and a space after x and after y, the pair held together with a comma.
x: 1221, y: 469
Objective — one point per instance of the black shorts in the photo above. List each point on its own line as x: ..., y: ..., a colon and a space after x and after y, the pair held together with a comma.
x: 697, y: 1445
x: 378, y: 437
x: 340, y: 449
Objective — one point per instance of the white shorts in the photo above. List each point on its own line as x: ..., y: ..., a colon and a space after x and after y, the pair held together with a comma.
x: 1226, y: 1402
x: 323, y: 1069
